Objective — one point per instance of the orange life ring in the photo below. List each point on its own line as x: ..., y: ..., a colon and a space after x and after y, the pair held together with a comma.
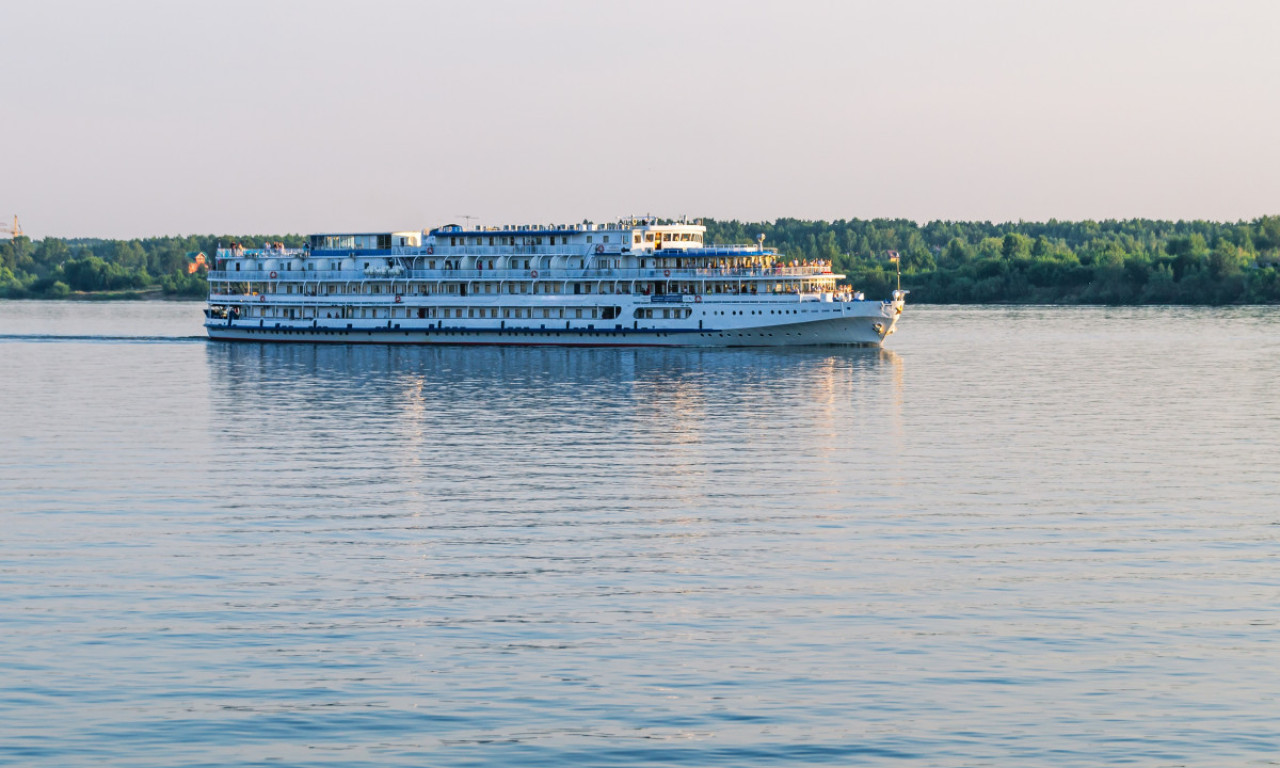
x: 431, y: 249
x: 274, y: 275
x: 697, y: 299
x: 397, y: 298
x: 599, y: 249
x: 666, y: 273
x: 534, y: 274
x: 262, y: 297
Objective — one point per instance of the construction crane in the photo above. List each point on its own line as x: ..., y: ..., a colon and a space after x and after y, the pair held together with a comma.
x: 14, y: 231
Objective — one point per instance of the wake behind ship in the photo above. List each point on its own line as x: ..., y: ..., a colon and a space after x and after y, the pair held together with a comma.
x: 635, y: 282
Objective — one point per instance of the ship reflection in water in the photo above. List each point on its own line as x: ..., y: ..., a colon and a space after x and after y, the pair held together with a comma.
x: 546, y: 429
x: 673, y: 388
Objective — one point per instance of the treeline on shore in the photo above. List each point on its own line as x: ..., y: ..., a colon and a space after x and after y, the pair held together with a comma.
x: 54, y: 267
x: 1134, y: 261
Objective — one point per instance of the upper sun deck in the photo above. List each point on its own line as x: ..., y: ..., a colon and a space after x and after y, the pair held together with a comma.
x: 622, y: 236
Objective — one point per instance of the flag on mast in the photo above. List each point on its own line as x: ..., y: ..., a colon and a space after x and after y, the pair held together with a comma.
x: 893, y: 255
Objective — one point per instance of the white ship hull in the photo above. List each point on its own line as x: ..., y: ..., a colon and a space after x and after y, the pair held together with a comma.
x: 857, y: 324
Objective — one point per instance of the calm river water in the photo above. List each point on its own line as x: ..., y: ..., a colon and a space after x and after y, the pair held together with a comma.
x: 1025, y: 536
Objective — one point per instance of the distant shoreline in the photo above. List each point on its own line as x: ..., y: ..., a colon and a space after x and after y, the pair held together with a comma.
x: 1130, y: 262
x: 102, y: 297
x: 152, y: 294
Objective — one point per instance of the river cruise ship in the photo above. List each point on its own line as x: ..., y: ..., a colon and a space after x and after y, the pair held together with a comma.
x: 634, y: 282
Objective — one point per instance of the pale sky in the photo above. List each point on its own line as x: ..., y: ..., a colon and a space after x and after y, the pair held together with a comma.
x: 130, y: 119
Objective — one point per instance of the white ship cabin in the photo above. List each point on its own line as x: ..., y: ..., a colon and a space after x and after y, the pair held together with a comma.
x: 623, y: 236
x: 638, y: 270
x: 628, y: 244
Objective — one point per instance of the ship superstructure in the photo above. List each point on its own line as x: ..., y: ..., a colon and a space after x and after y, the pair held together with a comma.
x: 641, y: 281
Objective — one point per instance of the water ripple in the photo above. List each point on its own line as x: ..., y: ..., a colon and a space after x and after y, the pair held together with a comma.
x: 1028, y: 536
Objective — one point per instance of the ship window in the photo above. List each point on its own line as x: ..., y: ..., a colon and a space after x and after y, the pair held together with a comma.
x: 588, y: 238
x: 606, y: 238
x: 648, y: 237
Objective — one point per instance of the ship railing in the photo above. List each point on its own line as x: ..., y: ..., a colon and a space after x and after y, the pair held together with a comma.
x: 261, y: 253
x: 779, y: 297
x: 726, y: 273
x: 384, y: 299
x: 577, y: 249
x: 292, y: 275
x: 719, y: 250
x: 448, y: 251
x: 806, y: 271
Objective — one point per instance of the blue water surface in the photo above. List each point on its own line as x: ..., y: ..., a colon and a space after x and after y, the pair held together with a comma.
x: 1024, y: 536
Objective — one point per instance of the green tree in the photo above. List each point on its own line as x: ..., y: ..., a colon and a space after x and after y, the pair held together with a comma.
x: 1014, y: 246
x: 1227, y: 259
x: 129, y: 255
